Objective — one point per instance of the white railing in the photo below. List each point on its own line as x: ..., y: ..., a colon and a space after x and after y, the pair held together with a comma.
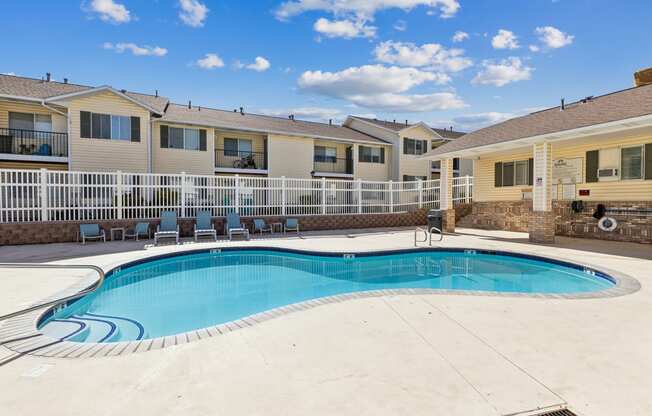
x: 45, y: 195
x: 463, y: 189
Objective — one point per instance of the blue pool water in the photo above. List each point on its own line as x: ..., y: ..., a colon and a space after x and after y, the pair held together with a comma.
x: 182, y: 293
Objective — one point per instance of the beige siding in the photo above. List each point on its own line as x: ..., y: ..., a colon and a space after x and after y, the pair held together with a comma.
x: 412, y: 164
x: 195, y: 162
x: 257, y: 145
x: 290, y: 156
x: 107, y: 155
x: 372, y: 171
x: 58, y: 121
x: 624, y: 190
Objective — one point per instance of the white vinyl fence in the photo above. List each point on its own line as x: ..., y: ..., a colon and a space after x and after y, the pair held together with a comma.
x: 45, y: 195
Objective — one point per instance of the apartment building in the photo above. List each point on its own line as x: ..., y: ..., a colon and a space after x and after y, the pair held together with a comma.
x: 60, y: 125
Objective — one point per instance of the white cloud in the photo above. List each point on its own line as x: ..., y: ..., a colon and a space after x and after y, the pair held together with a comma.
x: 135, y: 49
x: 363, y: 9
x: 193, y: 13
x: 503, y: 72
x: 400, y: 25
x: 431, y: 56
x: 534, y: 48
x: 346, y: 29
x: 110, y: 11
x: 210, y: 61
x: 13, y: 74
x: 553, y: 37
x: 260, y: 64
x: 460, y: 36
x: 505, y: 39
x: 470, y: 122
x: 380, y: 87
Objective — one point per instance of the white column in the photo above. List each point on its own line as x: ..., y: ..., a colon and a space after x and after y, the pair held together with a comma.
x: 44, y: 194
x: 542, y: 186
x: 446, y: 185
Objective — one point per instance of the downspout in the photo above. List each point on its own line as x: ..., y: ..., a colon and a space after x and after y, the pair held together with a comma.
x: 53, y: 109
x: 149, y: 145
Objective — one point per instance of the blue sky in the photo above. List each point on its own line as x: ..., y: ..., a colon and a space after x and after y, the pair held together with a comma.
x: 321, y: 59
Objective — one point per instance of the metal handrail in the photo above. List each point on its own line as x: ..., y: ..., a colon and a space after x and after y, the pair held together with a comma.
x: 77, y: 295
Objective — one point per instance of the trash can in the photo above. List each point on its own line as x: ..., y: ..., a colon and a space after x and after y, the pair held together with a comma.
x: 435, y: 219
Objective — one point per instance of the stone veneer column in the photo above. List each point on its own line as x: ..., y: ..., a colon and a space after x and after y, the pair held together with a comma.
x: 446, y: 195
x: 542, y: 222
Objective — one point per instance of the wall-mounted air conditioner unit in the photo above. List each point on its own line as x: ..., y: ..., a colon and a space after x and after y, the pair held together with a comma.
x: 608, y: 174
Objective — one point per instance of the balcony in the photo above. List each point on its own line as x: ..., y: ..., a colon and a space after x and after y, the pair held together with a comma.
x: 332, y: 167
x: 230, y: 161
x: 33, y: 145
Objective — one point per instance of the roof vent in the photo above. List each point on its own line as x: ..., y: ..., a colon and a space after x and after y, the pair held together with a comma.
x: 189, y: 104
x: 155, y: 93
x: 123, y: 91
x: 394, y: 121
x: 451, y: 128
x: 65, y: 80
x: 406, y: 122
x: 563, y: 106
x: 330, y: 121
x: 48, y: 76
x: 291, y: 117
x: 242, y: 111
x: 235, y: 110
x: 586, y: 99
x: 199, y: 108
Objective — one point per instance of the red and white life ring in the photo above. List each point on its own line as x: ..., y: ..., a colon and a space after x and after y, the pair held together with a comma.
x: 607, y: 224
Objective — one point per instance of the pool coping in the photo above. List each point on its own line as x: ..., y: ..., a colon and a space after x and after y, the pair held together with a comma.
x: 28, y: 340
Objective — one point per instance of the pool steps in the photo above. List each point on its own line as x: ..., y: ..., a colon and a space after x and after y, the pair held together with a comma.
x: 89, y: 327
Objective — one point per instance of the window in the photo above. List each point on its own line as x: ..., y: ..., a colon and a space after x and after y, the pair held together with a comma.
x: 631, y: 166
x: 515, y: 173
x: 325, y: 154
x: 371, y: 154
x: 180, y: 138
x: 414, y: 147
x: 410, y: 178
x: 29, y: 121
x: 109, y: 127
x: 237, y: 147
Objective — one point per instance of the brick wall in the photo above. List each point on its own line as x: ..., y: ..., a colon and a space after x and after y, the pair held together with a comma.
x: 66, y: 231
x: 516, y: 216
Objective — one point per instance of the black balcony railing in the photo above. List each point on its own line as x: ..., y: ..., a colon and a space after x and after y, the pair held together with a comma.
x: 240, y: 160
x: 33, y: 142
x: 326, y: 164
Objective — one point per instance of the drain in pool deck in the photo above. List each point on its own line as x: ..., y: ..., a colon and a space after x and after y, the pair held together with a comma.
x: 562, y: 412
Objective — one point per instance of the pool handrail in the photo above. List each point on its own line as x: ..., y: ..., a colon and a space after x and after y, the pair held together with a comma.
x: 96, y: 285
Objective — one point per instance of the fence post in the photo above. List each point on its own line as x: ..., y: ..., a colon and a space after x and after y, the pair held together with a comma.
x: 283, y: 196
x: 323, y: 196
x: 183, y: 195
x: 237, y: 194
x: 359, y: 181
x: 118, y: 193
x: 420, y: 188
x: 390, y: 184
x: 467, y: 190
x: 44, y: 194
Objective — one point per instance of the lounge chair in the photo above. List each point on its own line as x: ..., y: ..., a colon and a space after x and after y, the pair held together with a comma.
x: 142, y: 228
x: 261, y: 226
x: 204, y: 225
x: 91, y: 232
x: 168, y: 227
x: 291, y: 224
x: 234, y: 226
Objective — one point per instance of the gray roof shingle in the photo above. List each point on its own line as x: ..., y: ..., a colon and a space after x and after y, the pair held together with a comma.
x: 254, y: 122
x: 393, y: 125
x: 620, y: 105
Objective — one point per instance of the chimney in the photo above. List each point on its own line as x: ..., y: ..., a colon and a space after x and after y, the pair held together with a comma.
x: 189, y: 104
x: 563, y: 106
x: 48, y: 76
x: 242, y: 111
x: 643, y: 77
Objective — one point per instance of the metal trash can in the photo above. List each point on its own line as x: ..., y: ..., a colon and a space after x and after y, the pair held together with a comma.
x: 435, y: 219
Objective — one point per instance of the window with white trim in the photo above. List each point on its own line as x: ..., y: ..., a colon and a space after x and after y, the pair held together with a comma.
x: 181, y: 138
x: 30, y: 121
x: 631, y: 162
x: 237, y: 147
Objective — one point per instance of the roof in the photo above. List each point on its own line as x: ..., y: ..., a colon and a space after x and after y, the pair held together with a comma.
x: 203, y: 116
x: 394, y: 126
x: 41, y: 89
x: 616, y: 106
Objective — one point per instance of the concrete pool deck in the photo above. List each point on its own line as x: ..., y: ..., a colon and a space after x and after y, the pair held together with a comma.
x: 417, y: 354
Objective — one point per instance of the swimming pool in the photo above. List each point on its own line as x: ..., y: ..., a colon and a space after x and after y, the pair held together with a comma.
x: 181, y: 293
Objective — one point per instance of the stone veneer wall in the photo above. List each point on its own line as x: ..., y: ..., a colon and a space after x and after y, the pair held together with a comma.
x: 516, y: 216
x: 66, y: 231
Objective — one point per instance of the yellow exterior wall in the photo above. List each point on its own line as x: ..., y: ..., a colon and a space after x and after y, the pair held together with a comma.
x: 372, y: 171
x: 107, y: 155
x: 624, y: 190
x: 290, y: 156
x: 411, y: 164
x: 257, y: 145
x: 59, y: 122
x: 195, y: 162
